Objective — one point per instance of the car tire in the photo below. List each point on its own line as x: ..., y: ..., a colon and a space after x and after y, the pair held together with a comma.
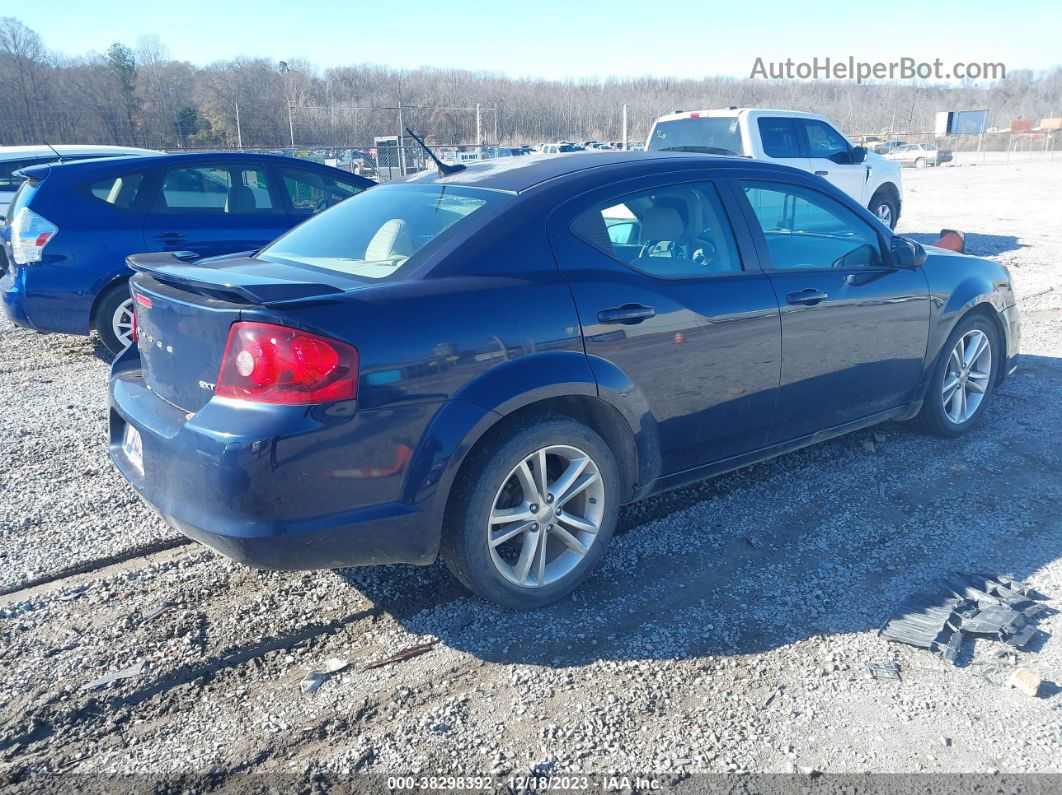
x: 920, y: 163
x: 554, y: 541
x: 946, y: 412
x: 114, y: 317
x: 885, y: 209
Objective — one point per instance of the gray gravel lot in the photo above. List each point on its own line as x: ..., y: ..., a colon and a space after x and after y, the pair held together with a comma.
x: 726, y: 631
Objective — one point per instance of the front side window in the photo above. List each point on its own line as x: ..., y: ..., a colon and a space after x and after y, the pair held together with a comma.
x: 805, y: 229
x: 379, y: 231
x: 779, y: 136
x: 311, y: 191
x: 823, y: 140
x: 674, y: 232
x: 221, y: 190
x: 120, y: 191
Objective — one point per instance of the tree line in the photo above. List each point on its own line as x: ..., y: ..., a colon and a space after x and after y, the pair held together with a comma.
x: 138, y: 95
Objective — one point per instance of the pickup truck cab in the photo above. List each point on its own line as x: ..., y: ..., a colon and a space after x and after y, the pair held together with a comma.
x: 801, y: 140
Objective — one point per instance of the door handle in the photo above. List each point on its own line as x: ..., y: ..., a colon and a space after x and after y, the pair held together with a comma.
x: 808, y: 297
x: 171, y: 237
x: 821, y: 173
x: 628, y: 314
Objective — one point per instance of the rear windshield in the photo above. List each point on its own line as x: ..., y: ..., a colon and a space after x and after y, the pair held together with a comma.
x: 719, y: 136
x: 376, y: 232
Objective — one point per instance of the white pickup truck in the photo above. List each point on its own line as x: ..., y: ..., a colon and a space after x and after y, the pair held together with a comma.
x: 802, y: 140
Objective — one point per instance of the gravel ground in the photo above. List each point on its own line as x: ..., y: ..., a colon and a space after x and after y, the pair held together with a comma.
x: 727, y: 630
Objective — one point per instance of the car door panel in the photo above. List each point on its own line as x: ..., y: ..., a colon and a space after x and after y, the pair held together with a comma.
x: 704, y: 352
x: 854, y: 332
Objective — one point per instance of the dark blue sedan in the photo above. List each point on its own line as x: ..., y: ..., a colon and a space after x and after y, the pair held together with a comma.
x: 71, y: 226
x: 486, y: 364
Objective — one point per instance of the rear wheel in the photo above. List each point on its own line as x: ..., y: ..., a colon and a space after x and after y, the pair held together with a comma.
x: 534, y: 514
x: 114, y: 319
x: 920, y: 162
x: 963, y: 378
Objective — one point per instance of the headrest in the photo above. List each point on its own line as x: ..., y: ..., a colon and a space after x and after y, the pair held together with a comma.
x: 240, y: 200
x: 662, y: 223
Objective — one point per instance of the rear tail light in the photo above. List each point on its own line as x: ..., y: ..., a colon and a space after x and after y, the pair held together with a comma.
x: 30, y: 233
x: 266, y: 363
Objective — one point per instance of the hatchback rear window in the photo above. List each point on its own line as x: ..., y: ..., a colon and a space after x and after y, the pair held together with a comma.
x: 121, y: 191
x: 376, y: 232
x: 8, y: 180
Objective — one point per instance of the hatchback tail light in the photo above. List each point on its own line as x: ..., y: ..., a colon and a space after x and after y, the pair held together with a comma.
x: 30, y: 233
x: 266, y: 363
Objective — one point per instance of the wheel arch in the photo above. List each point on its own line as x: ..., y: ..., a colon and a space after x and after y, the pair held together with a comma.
x: 505, y: 395
x: 105, y: 287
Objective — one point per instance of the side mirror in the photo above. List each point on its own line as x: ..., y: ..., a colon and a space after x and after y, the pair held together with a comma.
x: 859, y: 154
x: 904, y: 253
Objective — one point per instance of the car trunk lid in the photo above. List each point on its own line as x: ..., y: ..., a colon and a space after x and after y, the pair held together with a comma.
x: 184, y: 313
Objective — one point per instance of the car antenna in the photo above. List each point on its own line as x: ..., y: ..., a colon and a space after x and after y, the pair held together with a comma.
x: 444, y: 169
x: 61, y: 158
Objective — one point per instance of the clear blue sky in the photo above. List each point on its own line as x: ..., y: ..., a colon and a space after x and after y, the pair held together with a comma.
x: 576, y: 38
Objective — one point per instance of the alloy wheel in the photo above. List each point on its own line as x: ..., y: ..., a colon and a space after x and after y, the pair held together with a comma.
x: 546, y: 516
x: 966, y: 376
x: 122, y: 323
x: 884, y: 214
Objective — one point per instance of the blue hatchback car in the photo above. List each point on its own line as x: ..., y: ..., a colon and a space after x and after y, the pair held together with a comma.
x: 487, y: 363
x: 71, y: 226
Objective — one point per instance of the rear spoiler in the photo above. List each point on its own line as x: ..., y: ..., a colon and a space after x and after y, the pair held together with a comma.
x: 170, y: 268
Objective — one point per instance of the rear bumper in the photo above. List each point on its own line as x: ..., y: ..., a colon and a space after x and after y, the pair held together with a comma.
x: 48, y: 298
x: 275, y: 487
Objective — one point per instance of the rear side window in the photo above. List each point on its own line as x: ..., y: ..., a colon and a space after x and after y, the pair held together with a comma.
x: 311, y: 191
x: 220, y: 190
x: 674, y: 232
x: 779, y: 136
x: 8, y: 180
x: 121, y: 191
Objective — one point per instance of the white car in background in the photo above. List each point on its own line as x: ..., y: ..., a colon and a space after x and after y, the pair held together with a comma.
x: 791, y: 138
x: 13, y: 158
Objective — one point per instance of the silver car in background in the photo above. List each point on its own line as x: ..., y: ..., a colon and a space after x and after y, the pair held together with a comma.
x: 919, y: 155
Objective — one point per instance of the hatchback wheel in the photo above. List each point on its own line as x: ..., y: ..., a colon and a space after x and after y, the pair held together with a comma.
x: 535, y: 513
x: 114, y: 319
x: 963, y: 378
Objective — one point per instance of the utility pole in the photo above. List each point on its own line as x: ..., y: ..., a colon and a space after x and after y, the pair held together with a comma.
x: 496, y: 125
x: 624, y: 128
x: 239, y: 133
x: 291, y: 124
x: 401, y: 141
x: 479, y: 128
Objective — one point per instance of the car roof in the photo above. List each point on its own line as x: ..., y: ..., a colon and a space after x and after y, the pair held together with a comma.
x: 520, y: 174
x: 16, y: 152
x: 104, y: 165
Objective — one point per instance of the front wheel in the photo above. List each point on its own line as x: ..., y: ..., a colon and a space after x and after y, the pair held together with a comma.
x: 534, y: 513
x: 114, y: 319
x: 885, y: 209
x: 963, y: 378
x: 920, y: 162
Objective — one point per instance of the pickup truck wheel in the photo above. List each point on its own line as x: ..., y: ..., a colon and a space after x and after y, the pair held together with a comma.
x: 114, y: 319
x: 534, y: 512
x: 884, y: 207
